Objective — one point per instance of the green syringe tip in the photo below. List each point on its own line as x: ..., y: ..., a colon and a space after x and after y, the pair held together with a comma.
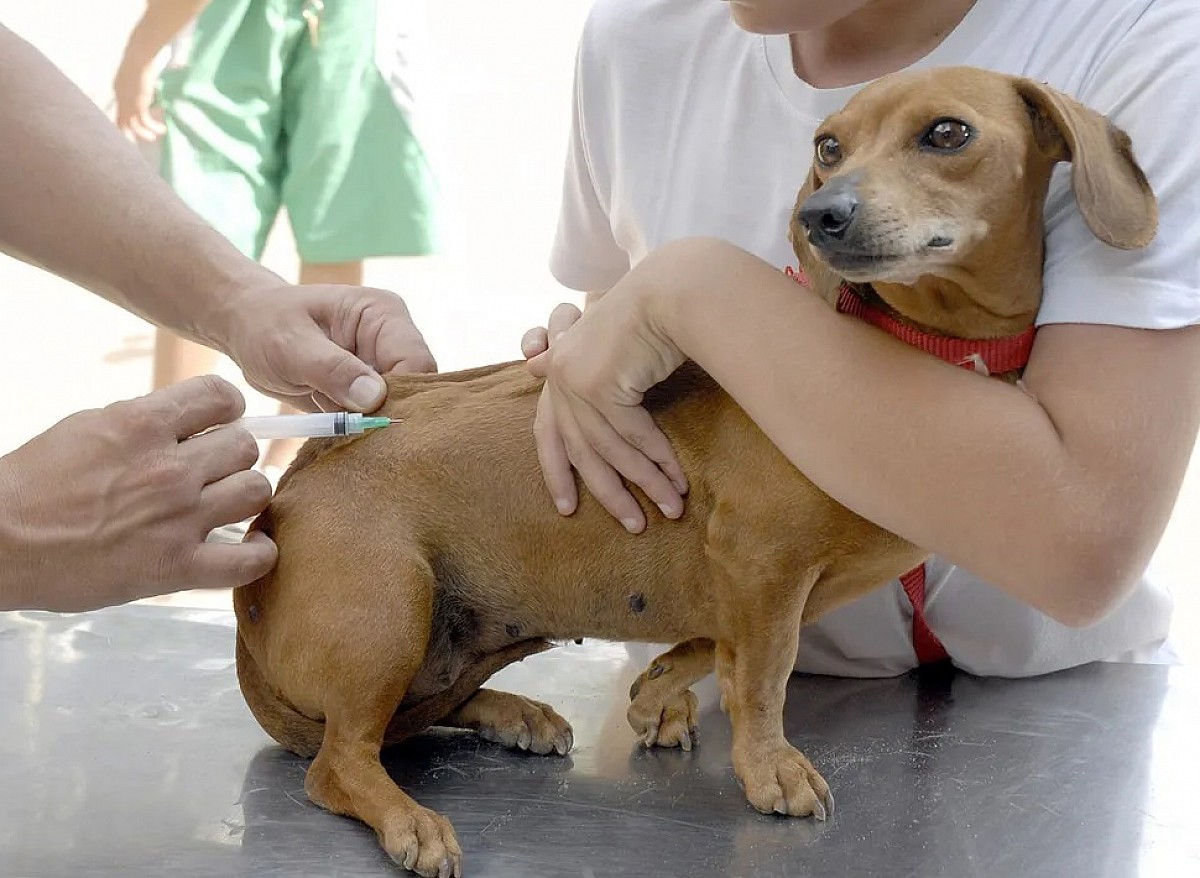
x: 374, y: 423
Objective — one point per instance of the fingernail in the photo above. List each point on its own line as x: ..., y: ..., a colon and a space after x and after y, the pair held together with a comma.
x: 366, y: 391
x: 670, y: 511
x: 564, y: 506
x: 631, y: 524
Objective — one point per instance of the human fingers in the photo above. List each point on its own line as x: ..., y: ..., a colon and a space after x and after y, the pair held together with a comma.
x: 234, y: 498
x: 557, y: 474
x: 229, y: 565
x: 220, y: 453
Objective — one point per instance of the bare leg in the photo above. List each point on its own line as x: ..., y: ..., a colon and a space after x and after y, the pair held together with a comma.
x: 349, y: 273
x: 176, y: 359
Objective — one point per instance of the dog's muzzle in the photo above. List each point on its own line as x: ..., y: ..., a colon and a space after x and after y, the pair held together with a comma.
x: 829, y: 214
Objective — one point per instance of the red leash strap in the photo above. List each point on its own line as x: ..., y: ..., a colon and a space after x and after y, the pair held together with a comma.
x: 994, y: 355
x: 928, y: 648
x: 990, y: 356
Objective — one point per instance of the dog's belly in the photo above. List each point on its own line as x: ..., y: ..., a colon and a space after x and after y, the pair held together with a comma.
x: 625, y: 589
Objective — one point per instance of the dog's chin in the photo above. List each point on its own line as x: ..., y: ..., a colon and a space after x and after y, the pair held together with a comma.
x: 896, y: 268
x: 858, y: 267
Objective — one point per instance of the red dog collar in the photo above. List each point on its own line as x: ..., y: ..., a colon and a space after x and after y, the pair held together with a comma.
x: 989, y: 356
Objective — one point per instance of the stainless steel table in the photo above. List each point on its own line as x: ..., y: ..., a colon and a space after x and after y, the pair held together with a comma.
x: 126, y: 750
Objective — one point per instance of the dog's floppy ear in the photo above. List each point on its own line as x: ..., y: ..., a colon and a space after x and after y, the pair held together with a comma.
x: 1113, y: 194
x: 823, y: 281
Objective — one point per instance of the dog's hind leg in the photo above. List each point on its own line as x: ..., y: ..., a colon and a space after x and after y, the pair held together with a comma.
x: 663, y: 709
x: 368, y: 677
x: 514, y: 721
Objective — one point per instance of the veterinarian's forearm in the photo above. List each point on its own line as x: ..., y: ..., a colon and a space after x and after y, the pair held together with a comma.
x: 1030, y: 496
x: 82, y: 203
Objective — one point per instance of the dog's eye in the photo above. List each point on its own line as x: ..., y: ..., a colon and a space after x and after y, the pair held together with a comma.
x: 829, y: 150
x: 947, y: 135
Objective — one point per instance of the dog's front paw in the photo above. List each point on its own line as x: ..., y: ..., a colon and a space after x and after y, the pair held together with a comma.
x: 524, y: 724
x: 422, y: 841
x: 781, y: 780
x: 670, y: 723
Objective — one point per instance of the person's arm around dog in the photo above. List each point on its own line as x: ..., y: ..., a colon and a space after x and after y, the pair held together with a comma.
x: 1058, y: 494
x: 80, y: 202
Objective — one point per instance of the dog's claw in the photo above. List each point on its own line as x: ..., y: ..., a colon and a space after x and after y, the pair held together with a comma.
x: 410, y: 856
x: 828, y: 803
x: 819, y: 811
x: 650, y: 736
x: 446, y: 869
x: 685, y: 741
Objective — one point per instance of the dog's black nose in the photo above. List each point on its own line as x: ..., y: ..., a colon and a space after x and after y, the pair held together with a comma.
x: 829, y: 212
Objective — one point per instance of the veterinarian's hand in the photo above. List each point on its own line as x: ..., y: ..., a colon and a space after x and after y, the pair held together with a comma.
x: 590, y: 416
x: 114, y: 504
x: 322, y: 346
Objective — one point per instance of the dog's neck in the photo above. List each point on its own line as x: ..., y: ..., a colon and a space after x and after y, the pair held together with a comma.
x: 981, y: 318
x: 994, y: 355
x: 993, y: 304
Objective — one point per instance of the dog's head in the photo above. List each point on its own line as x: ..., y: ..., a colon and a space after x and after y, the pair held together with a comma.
x: 929, y: 186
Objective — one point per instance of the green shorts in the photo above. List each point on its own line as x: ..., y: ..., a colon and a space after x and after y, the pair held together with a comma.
x: 263, y: 112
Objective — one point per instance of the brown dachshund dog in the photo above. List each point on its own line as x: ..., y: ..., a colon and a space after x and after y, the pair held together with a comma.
x: 416, y: 562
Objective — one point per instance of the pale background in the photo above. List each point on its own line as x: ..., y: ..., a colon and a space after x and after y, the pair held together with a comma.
x: 503, y: 76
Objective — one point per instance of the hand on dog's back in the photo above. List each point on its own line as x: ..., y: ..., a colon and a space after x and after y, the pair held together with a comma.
x: 605, y: 440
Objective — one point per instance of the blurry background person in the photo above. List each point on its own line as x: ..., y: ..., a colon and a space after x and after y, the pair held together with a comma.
x: 258, y: 105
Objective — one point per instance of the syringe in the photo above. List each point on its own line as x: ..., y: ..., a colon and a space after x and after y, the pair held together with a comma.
x: 312, y: 426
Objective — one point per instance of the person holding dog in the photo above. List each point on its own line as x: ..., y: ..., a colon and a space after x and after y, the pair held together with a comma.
x: 1053, y: 496
x: 113, y: 505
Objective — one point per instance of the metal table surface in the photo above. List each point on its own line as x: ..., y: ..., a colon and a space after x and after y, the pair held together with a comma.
x: 126, y: 750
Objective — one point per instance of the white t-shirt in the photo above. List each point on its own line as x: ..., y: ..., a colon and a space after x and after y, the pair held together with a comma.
x: 685, y: 125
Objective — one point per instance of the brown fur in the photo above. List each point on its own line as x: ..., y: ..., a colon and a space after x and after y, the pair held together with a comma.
x: 417, y: 561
